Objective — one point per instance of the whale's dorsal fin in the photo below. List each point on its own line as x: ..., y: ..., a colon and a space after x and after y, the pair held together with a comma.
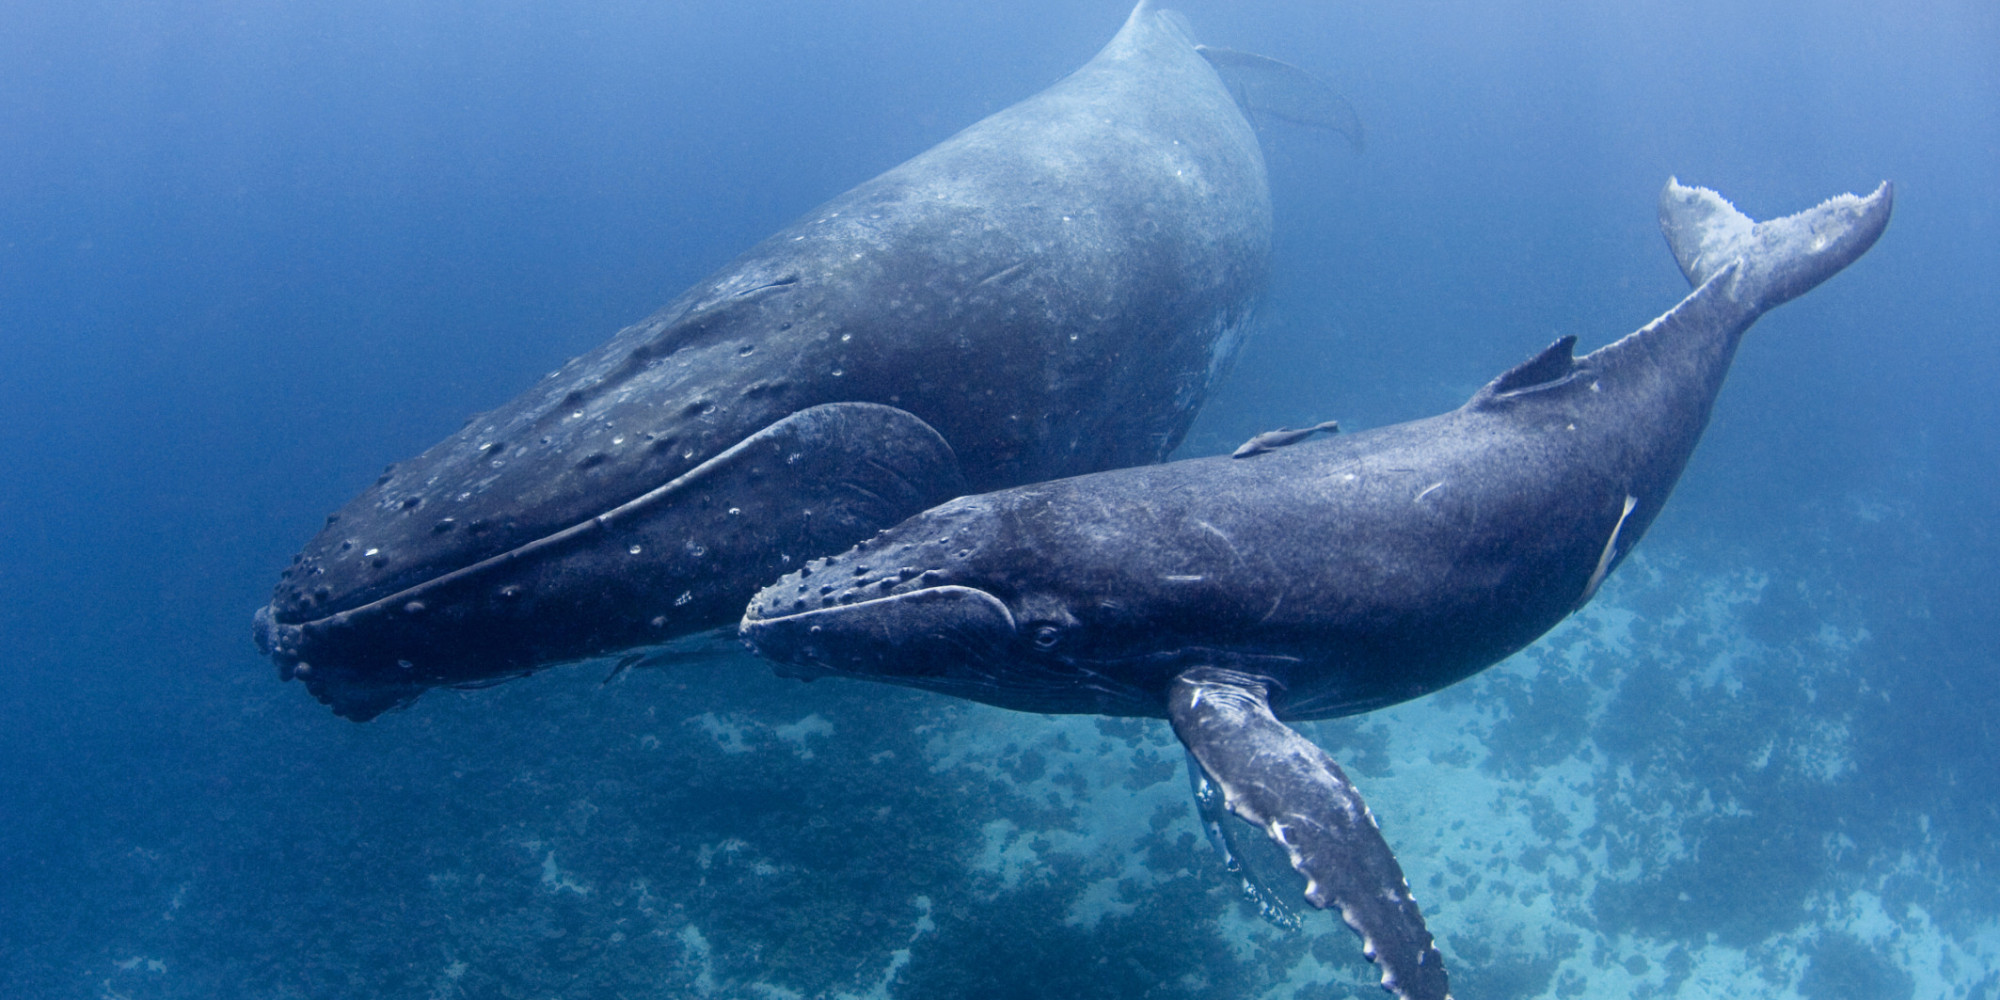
x: 1554, y: 364
x: 1273, y: 89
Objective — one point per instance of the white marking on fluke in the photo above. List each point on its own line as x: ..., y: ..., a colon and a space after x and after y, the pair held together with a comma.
x: 1604, y: 558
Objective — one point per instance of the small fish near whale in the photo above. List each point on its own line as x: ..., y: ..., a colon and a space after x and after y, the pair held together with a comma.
x: 1312, y: 579
x: 1051, y: 291
x: 1273, y: 440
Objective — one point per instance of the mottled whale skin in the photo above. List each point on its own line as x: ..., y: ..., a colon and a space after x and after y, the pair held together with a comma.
x: 1322, y: 578
x: 1050, y: 292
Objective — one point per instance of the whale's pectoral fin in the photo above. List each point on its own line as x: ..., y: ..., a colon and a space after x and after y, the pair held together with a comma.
x: 1266, y: 87
x: 1782, y: 258
x: 823, y: 478
x: 1281, y: 782
x: 1259, y: 863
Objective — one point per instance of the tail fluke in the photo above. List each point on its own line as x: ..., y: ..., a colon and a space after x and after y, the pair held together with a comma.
x: 1783, y: 258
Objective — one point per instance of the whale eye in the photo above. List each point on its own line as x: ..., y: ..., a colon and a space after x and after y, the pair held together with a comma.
x: 1045, y: 637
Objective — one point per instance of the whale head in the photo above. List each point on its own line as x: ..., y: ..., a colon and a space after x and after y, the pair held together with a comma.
x: 633, y: 571
x: 1022, y: 598
x: 924, y: 603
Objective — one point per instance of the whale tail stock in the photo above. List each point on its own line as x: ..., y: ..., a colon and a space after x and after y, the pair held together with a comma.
x: 1782, y: 258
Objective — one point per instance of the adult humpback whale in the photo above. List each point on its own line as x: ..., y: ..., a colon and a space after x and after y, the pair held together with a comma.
x: 1317, y: 579
x: 1050, y: 292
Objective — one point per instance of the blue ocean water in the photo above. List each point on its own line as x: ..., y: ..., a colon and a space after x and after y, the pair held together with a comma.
x: 250, y: 252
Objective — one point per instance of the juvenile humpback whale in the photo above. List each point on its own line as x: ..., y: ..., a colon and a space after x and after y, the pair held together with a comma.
x: 1320, y: 578
x: 1050, y: 292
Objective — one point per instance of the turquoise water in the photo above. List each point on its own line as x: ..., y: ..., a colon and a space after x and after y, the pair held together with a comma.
x: 249, y: 253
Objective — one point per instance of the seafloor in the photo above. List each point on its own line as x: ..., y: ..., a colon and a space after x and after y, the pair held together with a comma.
x: 1661, y: 799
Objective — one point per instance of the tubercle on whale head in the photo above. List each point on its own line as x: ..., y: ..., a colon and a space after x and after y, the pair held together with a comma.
x: 897, y: 602
x: 952, y: 599
x: 930, y: 631
x: 963, y: 598
x: 608, y: 427
x: 350, y: 694
x: 680, y: 558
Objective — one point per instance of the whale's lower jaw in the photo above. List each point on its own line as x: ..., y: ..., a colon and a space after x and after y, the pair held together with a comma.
x: 349, y: 693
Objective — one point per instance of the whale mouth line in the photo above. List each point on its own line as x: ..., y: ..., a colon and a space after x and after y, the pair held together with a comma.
x: 417, y: 590
x: 915, y: 596
x: 414, y: 593
x: 929, y: 632
x: 541, y: 546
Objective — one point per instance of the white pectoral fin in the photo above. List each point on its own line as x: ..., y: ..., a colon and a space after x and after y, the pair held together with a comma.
x: 1286, y: 785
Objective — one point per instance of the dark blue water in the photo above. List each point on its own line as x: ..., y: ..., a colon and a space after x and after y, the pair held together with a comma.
x: 251, y: 252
